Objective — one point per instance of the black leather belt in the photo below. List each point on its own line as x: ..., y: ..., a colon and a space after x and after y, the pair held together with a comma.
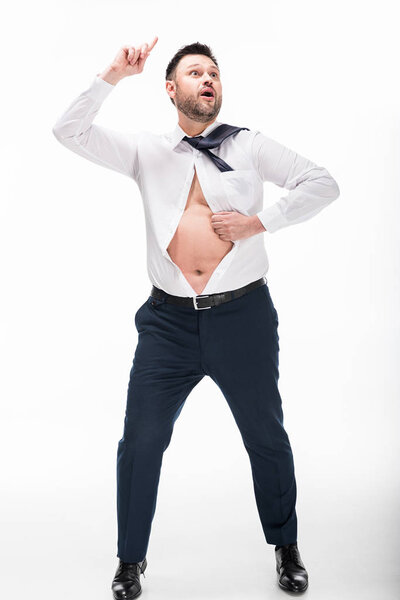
x: 206, y: 300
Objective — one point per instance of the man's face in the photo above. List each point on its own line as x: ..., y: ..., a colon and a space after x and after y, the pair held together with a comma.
x: 197, y: 76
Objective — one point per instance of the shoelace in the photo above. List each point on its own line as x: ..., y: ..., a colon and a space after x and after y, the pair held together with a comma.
x: 291, y: 553
x: 132, y: 566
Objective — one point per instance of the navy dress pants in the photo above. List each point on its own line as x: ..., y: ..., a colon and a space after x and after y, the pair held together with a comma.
x: 237, y: 345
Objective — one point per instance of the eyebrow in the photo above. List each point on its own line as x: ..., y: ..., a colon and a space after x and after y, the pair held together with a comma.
x: 199, y: 65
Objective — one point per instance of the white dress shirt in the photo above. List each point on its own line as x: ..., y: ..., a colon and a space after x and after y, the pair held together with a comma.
x: 162, y: 165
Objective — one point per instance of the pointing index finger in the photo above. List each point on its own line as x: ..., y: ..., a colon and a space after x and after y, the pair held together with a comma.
x: 153, y: 43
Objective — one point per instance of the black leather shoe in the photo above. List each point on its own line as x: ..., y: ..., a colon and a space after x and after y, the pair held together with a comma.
x: 126, y: 582
x: 293, y: 576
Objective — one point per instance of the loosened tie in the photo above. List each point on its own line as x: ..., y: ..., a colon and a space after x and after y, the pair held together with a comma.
x: 214, y: 139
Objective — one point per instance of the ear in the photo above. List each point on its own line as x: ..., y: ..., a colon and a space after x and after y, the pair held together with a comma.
x: 170, y: 87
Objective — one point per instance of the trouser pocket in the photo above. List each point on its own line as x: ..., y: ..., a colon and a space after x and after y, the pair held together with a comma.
x: 270, y: 303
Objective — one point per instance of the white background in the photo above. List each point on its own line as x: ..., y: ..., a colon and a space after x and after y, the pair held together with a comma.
x: 319, y: 77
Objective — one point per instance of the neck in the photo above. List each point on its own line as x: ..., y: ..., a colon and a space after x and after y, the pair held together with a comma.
x: 191, y: 127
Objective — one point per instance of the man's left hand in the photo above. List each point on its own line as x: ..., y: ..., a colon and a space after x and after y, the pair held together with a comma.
x: 232, y: 225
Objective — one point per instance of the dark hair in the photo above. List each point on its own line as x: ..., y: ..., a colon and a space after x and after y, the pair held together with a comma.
x: 196, y: 48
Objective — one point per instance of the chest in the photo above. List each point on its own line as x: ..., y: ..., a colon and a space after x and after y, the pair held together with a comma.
x: 169, y: 178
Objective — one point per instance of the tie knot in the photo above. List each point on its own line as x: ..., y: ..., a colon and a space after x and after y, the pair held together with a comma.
x: 193, y: 141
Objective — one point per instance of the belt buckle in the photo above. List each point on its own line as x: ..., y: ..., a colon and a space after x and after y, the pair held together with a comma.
x: 200, y: 307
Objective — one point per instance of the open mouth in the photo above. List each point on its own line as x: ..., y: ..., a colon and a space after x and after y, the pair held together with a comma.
x: 207, y: 93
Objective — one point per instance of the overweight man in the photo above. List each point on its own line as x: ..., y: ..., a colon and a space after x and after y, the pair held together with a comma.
x: 209, y: 311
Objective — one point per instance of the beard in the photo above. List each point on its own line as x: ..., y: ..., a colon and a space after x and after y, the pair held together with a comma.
x: 197, y: 109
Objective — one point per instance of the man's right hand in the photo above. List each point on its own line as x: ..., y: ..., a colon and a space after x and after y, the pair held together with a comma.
x: 129, y: 60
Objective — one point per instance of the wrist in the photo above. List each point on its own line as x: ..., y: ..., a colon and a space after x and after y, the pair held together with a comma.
x: 258, y: 227
x: 110, y: 75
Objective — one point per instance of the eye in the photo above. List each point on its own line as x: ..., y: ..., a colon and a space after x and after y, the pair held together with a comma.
x: 213, y: 73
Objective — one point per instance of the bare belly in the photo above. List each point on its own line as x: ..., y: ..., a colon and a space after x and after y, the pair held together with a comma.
x: 195, y: 247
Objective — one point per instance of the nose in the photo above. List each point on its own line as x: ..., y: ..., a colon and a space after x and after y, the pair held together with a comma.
x: 206, y: 79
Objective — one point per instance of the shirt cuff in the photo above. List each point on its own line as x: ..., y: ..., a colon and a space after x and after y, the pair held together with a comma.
x: 99, y: 89
x: 272, y: 218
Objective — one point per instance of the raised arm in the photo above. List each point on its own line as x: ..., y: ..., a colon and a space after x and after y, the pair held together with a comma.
x: 76, y: 131
x: 311, y: 186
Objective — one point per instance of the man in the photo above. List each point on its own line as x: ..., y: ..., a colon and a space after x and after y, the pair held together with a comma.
x: 210, y: 311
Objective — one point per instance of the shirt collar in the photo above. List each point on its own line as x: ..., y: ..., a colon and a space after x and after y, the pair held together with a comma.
x: 178, y: 133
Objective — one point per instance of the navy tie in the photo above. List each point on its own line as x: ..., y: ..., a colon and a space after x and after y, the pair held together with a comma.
x: 214, y: 139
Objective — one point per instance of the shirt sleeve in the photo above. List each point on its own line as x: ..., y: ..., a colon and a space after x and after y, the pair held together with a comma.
x: 311, y: 186
x: 111, y: 149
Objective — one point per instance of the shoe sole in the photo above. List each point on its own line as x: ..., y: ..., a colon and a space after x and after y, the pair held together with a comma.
x: 284, y: 587
x: 140, y: 591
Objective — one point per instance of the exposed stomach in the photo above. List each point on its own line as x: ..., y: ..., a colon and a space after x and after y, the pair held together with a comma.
x: 196, y: 248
